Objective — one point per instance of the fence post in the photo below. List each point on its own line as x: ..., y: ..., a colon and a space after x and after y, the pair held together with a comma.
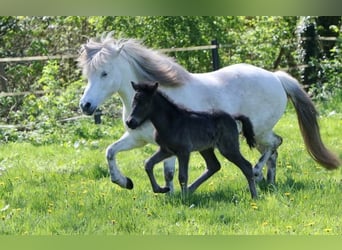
x: 215, y: 55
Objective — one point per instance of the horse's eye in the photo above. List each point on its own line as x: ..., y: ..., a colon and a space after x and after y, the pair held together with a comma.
x: 104, y: 74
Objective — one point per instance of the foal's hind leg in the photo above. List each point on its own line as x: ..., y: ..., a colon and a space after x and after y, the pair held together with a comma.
x: 213, y: 165
x: 233, y: 154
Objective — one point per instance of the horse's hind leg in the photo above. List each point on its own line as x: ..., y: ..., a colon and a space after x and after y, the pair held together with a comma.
x: 257, y: 170
x: 272, y: 161
x: 269, y: 157
x: 271, y: 167
x: 213, y: 165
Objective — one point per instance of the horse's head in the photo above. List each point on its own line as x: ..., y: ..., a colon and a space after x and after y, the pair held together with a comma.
x: 142, y: 104
x: 103, y: 68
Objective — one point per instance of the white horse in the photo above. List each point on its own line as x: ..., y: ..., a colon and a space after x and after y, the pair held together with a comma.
x: 110, y: 65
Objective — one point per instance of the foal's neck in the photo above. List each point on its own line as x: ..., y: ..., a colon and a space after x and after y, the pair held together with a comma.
x: 164, y: 112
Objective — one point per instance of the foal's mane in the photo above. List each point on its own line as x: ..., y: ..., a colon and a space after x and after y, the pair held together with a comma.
x: 149, y: 64
x: 147, y: 86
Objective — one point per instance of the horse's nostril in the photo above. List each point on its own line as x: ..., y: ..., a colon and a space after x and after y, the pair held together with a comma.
x: 87, y: 108
x: 87, y: 105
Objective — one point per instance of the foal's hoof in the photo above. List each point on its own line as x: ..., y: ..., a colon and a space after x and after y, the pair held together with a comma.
x: 162, y: 190
x: 129, y: 184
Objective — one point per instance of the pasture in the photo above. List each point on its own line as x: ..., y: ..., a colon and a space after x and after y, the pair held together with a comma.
x: 64, y: 188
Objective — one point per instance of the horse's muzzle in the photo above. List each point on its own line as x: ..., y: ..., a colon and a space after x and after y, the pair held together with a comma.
x: 87, y: 108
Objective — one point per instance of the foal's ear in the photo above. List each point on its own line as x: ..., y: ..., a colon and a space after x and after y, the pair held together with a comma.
x: 134, y: 85
x: 155, y: 86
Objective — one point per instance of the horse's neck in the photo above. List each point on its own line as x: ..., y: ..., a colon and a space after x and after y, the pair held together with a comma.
x: 126, y: 93
x: 126, y: 98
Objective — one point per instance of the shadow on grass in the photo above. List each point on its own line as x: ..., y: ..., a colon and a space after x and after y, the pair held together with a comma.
x: 208, y: 198
x: 289, y: 184
x: 233, y: 196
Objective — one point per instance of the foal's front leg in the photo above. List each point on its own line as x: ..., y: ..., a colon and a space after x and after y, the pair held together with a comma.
x: 149, y: 165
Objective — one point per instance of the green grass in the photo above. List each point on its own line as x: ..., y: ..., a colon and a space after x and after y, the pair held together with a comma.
x: 64, y: 189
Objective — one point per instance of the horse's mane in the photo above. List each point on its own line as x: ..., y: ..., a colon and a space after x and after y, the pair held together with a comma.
x: 149, y: 64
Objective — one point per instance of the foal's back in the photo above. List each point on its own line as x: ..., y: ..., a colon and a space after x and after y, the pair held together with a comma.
x: 192, y: 131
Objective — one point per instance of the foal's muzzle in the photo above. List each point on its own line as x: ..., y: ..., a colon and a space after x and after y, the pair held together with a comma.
x: 132, y: 123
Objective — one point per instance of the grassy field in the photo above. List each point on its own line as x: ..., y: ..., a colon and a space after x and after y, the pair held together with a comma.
x: 64, y: 189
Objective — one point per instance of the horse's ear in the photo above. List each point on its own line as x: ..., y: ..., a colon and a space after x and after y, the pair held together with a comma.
x: 134, y: 85
x: 84, y: 47
x: 120, y: 48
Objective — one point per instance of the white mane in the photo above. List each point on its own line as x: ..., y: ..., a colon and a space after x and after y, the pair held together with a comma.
x: 150, y: 65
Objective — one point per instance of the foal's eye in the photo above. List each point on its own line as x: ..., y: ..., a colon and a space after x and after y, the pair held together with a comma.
x: 104, y: 74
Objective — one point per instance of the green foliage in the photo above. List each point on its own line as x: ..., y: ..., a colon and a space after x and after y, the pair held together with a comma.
x: 329, y: 87
x: 322, y: 57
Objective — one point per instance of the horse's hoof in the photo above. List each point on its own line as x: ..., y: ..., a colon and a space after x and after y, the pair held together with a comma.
x: 258, y: 177
x: 129, y: 184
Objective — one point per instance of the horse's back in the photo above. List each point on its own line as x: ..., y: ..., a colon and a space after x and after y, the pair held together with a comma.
x: 248, y: 90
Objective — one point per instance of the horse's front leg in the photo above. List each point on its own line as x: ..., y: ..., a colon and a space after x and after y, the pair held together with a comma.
x: 169, y: 171
x: 183, y: 162
x: 126, y: 142
x: 157, y: 157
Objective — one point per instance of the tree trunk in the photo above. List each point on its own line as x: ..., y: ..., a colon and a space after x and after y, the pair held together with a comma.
x: 3, y: 80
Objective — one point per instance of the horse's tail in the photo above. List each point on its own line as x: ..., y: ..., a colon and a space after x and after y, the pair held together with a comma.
x: 307, y: 119
x: 247, y: 129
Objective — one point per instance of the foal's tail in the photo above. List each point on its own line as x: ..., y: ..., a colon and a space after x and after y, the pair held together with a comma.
x: 247, y: 129
x: 307, y: 119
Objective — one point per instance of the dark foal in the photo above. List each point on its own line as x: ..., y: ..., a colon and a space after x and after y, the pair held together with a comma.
x: 180, y: 132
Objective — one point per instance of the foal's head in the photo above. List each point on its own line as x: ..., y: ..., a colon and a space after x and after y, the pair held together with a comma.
x: 142, y: 104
